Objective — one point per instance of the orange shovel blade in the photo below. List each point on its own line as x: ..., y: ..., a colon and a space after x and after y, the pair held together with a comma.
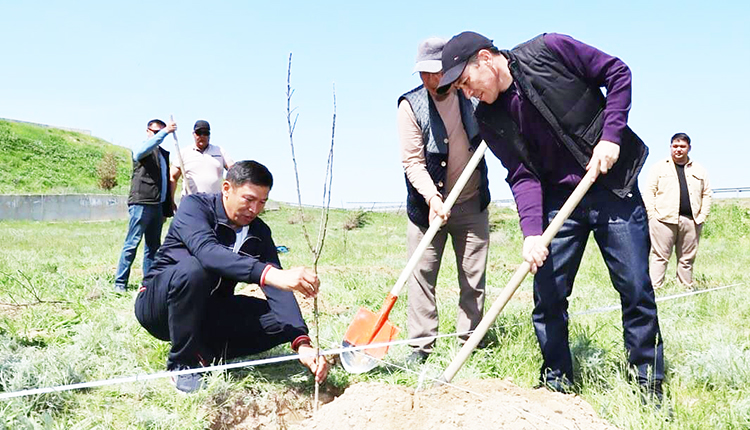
x: 362, y: 331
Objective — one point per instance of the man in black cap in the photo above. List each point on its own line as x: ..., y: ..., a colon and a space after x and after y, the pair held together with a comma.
x: 438, y: 135
x: 542, y: 113
x: 204, y: 163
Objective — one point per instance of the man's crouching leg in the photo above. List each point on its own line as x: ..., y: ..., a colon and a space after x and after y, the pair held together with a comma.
x: 239, y: 325
x: 172, y: 306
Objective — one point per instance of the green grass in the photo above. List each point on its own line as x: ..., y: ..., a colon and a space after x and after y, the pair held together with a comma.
x: 60, y: 323
x: 39, y: 160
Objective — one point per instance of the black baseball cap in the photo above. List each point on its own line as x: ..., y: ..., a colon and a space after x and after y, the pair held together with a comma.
x: 201, y: 125
x: 457, y: 52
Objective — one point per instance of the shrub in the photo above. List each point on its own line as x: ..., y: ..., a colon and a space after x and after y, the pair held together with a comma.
x: 502, y: 219
x: 107, y: 171
x: 357, y: 220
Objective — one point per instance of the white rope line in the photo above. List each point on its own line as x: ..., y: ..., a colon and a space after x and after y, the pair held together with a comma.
x: 221, y: 367
x: 658, y: 299
x: 272, y: 360
x: 618, y: 307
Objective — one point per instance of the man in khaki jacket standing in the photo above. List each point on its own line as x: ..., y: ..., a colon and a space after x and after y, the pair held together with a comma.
x: 678, y: 199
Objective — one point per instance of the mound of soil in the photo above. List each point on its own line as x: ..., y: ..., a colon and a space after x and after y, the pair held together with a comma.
x: 488, y: 404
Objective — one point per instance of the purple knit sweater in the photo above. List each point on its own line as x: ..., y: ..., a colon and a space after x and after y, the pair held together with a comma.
x: 558, y: 168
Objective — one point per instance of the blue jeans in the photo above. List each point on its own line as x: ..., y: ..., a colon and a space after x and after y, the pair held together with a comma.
x: 145, y: 220
x: 620, y: 229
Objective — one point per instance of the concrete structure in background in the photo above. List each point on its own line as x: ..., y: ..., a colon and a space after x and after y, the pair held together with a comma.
x: 63, y: 207
x: 70, y: 207
x: 77, y: 130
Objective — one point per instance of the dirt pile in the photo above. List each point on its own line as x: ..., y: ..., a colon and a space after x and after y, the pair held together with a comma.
x: 491, y: 404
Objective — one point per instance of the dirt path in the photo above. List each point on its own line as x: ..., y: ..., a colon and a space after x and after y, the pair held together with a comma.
x: 498, y: 404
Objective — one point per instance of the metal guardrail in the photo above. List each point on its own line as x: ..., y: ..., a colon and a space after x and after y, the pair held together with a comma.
x: 366, y: 206
x: 106, y: 207
x: 736, y: 191
x: 397, y: 206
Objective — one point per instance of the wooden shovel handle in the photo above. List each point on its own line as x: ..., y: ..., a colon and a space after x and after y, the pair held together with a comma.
x: 185, y: 186
x: 517, y: 278
x: 437, y: 222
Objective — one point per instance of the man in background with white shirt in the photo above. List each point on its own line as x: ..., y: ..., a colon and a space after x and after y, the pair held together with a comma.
x: 204, y: 163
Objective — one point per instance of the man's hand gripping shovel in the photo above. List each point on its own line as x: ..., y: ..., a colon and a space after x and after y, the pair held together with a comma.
x: 185, y: 186
x: 369, y: 330
x: 517, y: 278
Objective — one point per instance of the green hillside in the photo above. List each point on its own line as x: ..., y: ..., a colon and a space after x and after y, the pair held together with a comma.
x: 41, y: 160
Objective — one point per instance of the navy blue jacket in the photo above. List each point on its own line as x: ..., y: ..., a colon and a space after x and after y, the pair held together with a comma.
x: 201, y: 229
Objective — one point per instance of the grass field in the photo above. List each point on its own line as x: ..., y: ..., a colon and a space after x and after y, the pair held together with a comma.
x: 61, y: 323
x: 39, y: 160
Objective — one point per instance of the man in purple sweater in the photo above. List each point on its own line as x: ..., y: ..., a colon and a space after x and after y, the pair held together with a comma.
x: 542, y: 113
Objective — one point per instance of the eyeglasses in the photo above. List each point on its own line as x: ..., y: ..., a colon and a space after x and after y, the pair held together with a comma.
x: 154, y: 131
x: 203, y: 133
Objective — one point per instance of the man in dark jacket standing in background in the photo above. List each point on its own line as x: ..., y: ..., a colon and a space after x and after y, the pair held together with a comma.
x: 544, y: 116
x: 149, y: 202
x: 215, y: 241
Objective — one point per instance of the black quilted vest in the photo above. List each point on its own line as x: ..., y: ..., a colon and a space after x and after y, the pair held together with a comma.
x: 435, y: 139
x: 145, y: 183
x: 573, y: 108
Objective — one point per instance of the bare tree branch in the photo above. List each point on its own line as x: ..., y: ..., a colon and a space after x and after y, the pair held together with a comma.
x: 322, y: 230
x: 291, y: 127
x: 30, y: 288
x: 317, y: 250
x: 327, y: 185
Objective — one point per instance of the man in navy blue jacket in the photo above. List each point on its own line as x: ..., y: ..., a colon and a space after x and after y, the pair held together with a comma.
x: 187, y: 298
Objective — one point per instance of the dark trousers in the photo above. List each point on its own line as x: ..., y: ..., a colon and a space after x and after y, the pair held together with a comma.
x: 620, y: 229
x: 181, y: 305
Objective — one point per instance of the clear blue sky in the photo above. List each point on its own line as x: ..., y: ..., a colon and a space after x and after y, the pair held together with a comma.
x: 109, y: 67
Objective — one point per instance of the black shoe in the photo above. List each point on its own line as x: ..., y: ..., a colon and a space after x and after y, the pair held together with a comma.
x: 484, y: 343
x: 416, y: 359
x: 557, y: 385
x: 187, y: 383
x: 652, y: 393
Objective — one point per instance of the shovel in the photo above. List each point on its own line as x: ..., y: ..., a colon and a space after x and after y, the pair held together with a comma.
x: 518, y: 277
x: 368, y: 327
x: 185, y: 186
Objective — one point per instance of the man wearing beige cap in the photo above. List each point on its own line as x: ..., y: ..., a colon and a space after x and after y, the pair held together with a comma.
x: 204, y: 163
x: 438, y: 134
